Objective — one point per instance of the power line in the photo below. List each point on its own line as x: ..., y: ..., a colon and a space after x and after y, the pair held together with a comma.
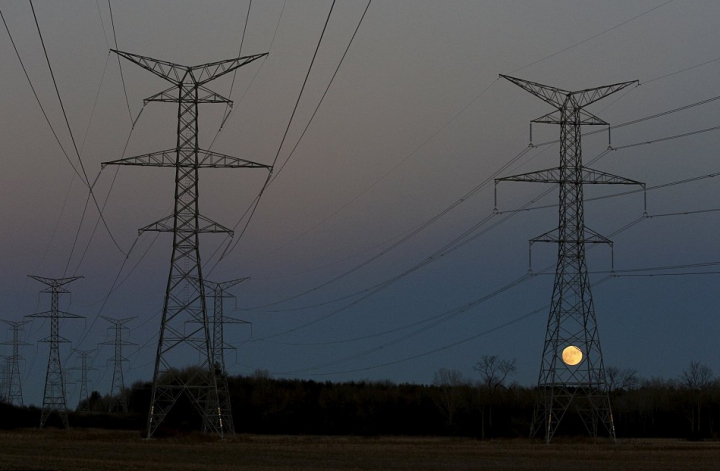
x: 271, y: 178
x: 654, y: 116
x: 37, y: 98
x: 592, y: 37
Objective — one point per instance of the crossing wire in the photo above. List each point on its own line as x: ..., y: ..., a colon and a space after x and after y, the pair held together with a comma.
x: 84, y: 175
x: 229, y: 248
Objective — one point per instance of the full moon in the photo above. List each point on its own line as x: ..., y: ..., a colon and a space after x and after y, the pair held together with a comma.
x: 572, y: 355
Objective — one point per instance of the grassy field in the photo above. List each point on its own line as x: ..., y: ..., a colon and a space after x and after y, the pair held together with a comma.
x: 89, y: 449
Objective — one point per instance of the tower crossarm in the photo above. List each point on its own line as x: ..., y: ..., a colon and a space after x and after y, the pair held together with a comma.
x: 589, y: 237
x: 219, y: 288
x: 205, y: 95
x: 168, y: 158
x: 173, y: 73
x: 550, y: 175
x: 205, y: 225
x: 552, y: 95
x: 177, y: 74
x: 59, y: 314
x: 210, y: 71
x: 584, y: 118
x: 591, y: 95
x: 594, y: 177
x: 55, y: 282
x: 557, y: 96
x: 588, y: 176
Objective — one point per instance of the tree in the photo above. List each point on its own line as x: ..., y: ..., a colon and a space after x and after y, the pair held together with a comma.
x: 450, y: 397
x: 696, y: 380
x: 493, y: 372
x: 698, y: 376
x: 618, y: 378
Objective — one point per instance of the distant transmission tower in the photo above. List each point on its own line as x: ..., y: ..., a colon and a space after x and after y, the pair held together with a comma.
x: 84, y: 356
x: 4, y: 377
x: 13, y: 385
x: 572, y: 374
x: 117, y: 389
x: 54, y: 397
x: 218, y: 348
x: 185, y: 294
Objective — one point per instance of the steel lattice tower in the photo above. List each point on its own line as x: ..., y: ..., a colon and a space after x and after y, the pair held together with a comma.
x: 54, y: 397
x: 572, y: 374
x: 185, y: 294
x: 4, y: 377
x: 13, y: 385
x: 117, y: 388
x: 84, y: 356
x: 219, y: 346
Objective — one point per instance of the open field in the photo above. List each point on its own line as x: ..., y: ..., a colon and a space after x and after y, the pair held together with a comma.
x: 90, y: 449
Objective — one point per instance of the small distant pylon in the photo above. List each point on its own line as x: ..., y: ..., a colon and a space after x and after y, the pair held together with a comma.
x: 218, y: 347
x: 84, y: 355
x: 117, y: 389
x: 13, y: 385
x: 4, y: 377
x: 572, y: 374
x: 54, y: 396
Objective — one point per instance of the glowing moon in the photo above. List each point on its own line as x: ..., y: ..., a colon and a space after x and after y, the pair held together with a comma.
x: 572, y: 355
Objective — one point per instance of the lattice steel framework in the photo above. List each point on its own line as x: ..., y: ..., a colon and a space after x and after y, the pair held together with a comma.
x: 563, y: 387
x: 13, y: 383
x: 54, y: 396
x: 219, y: 346
x: 117, y: 387
x: 185, y: 294
x: 84, y: 355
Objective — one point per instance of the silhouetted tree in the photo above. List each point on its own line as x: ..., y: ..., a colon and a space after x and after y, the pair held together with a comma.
x: 450, y: 392
x: 620, y: 378
x: 696, y: 381
x: 493, y: 373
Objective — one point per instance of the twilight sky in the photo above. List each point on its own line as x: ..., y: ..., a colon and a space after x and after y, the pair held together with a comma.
x: 343, y: 284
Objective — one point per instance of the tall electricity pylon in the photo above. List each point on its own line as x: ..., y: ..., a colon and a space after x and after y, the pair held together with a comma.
x: 13, y: 385
x: 117, y: 389
x: 54, y: 397
x: 185, y: 294
x: 572, y: 374
x: 84, y: 356
x: 218, y: 348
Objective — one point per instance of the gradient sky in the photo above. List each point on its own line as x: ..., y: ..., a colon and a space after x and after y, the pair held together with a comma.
x: 414, y: 120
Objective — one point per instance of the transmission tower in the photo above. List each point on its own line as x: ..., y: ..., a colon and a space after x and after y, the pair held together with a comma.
x: 218, y: 347
x: 572, y: 374
x: 4, y: 377
x: 13, y: 385
x: 185, y: 294
x: 117, y: 389
x: 54, y: 397
x: 84, y: 356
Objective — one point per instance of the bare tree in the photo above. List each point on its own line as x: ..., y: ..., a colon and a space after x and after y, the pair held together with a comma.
x: 696, y: 379
x: 493, y: 372
x: 618, y: 378
x: 450, y: 396
x: 697, y: 376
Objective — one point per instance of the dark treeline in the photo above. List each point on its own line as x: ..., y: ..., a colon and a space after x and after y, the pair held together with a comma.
x: 687, y: 407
